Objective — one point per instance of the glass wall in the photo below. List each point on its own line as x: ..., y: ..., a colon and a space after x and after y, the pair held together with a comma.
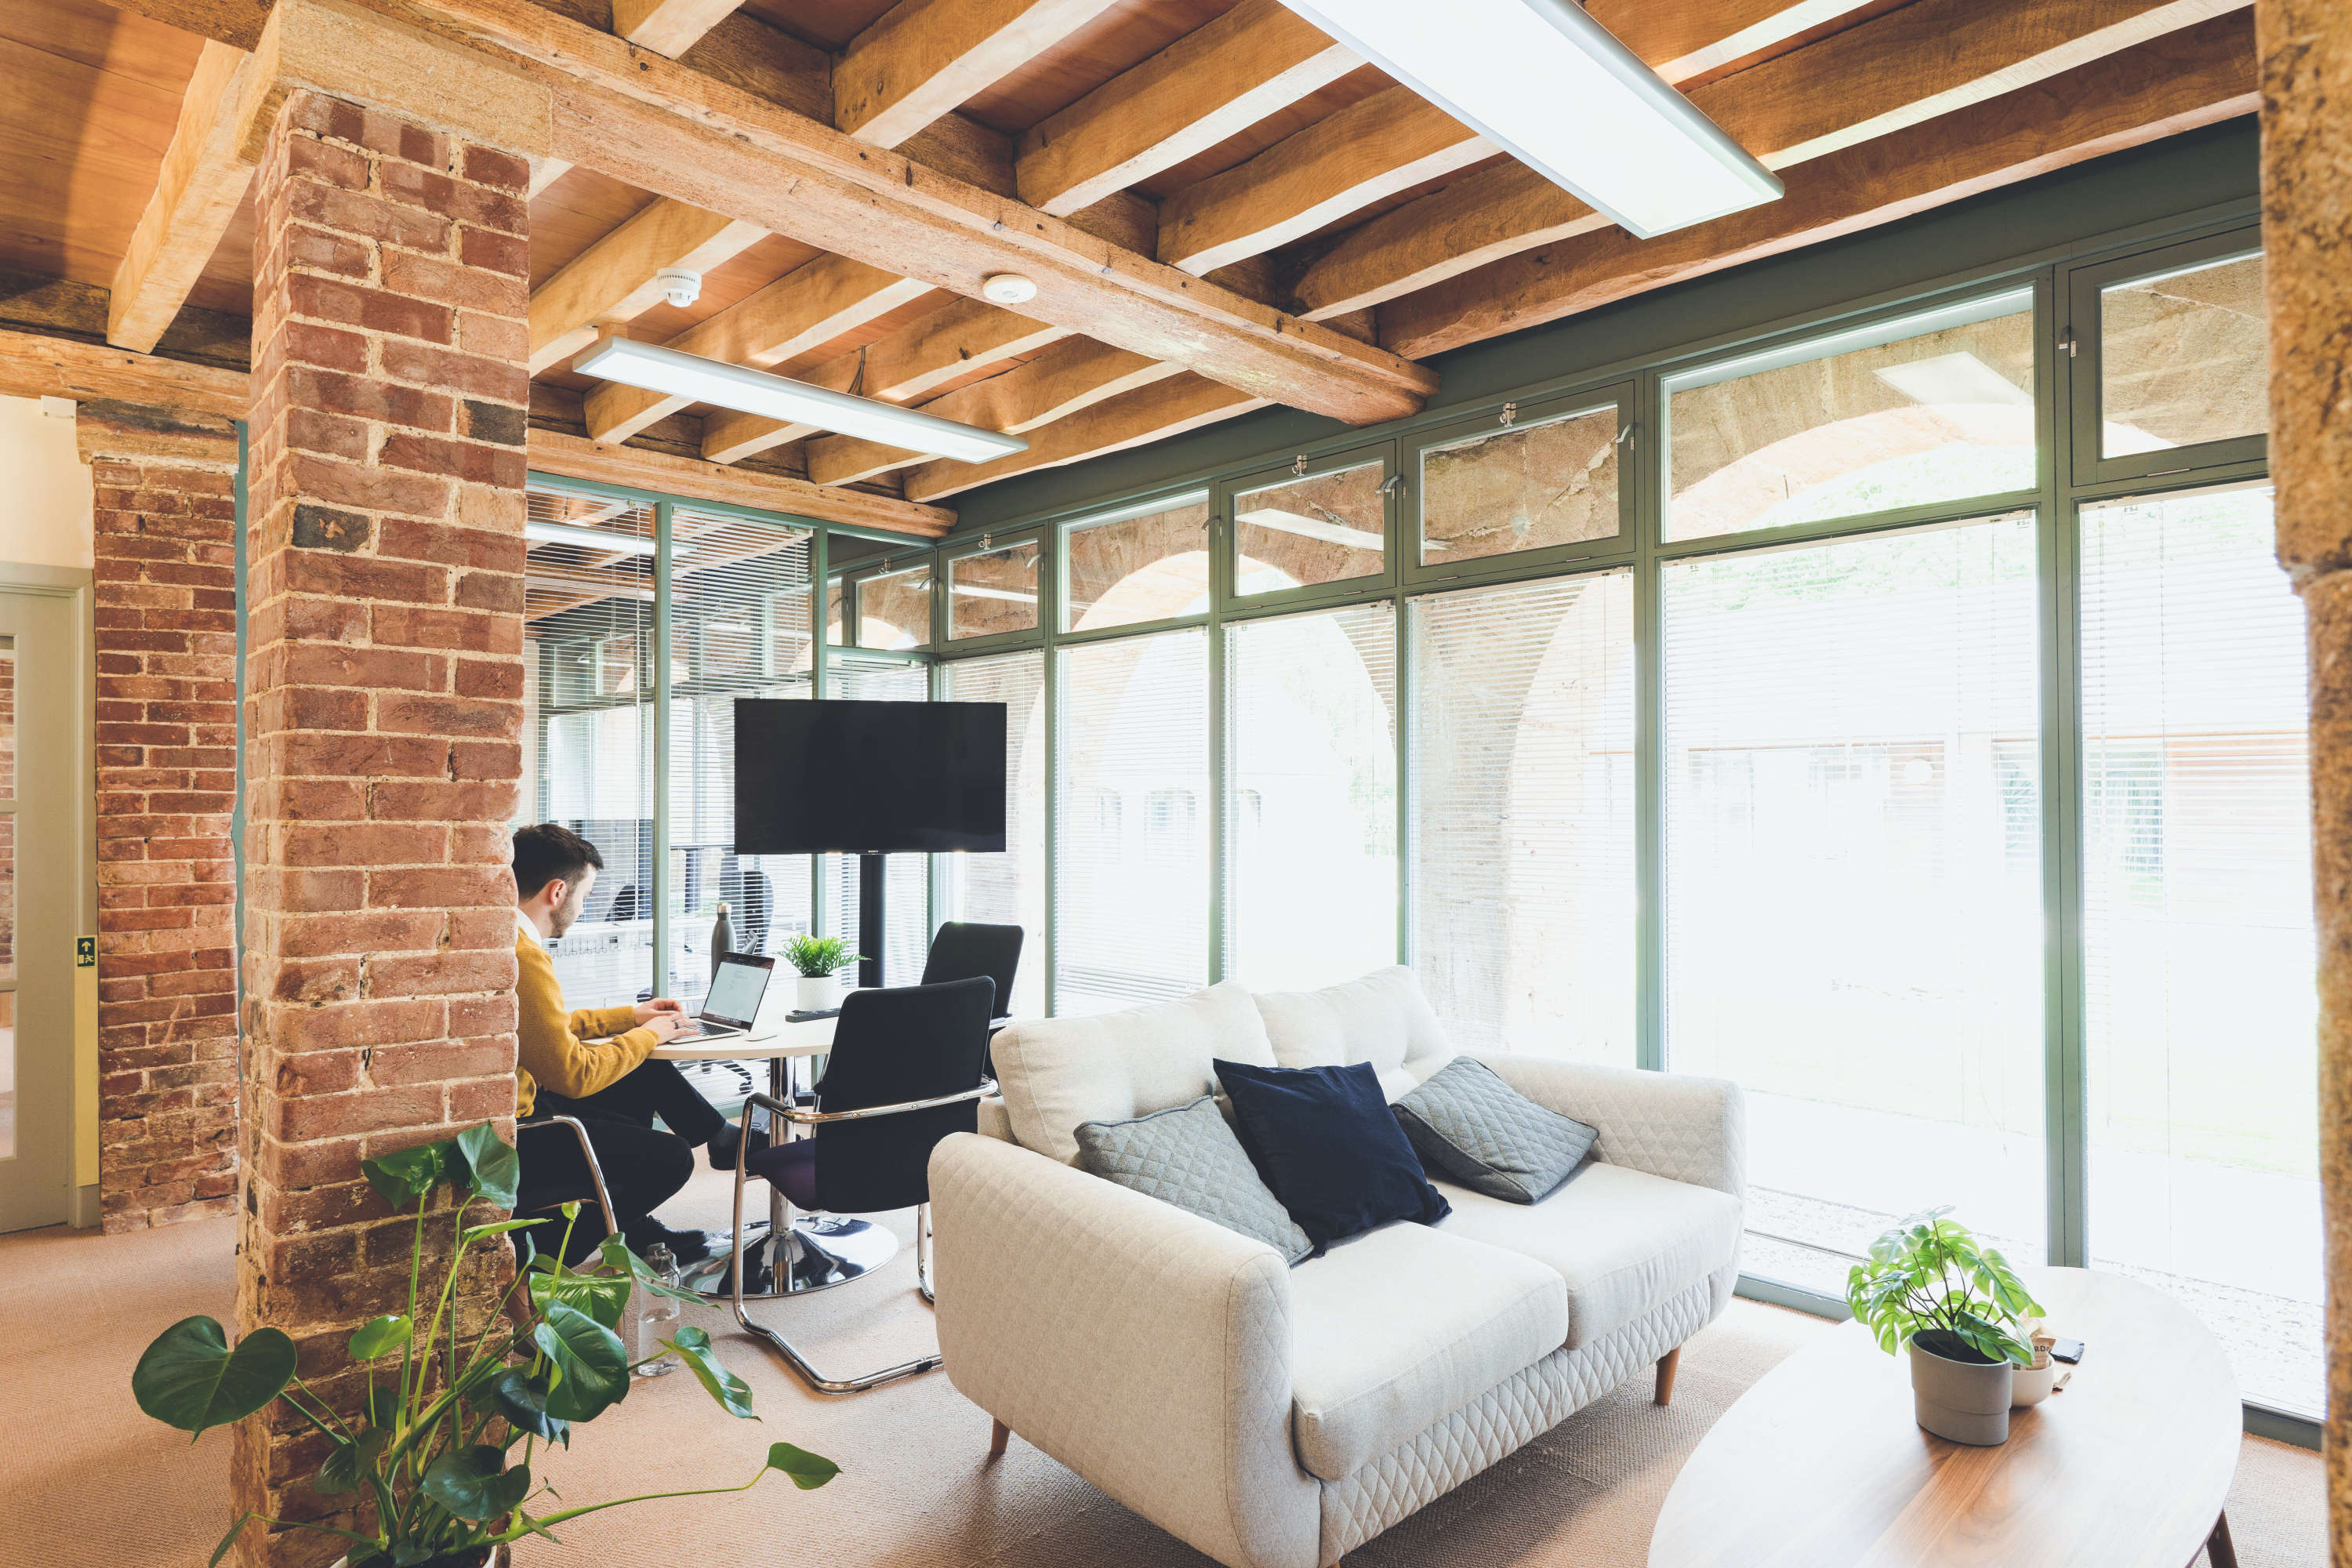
x: 1853, y: 854
x: 1007, y: 889
x: 2198, y: 944
x: 1523, y: 830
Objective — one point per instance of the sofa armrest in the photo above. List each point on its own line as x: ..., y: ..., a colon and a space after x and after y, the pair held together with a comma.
x: 1677, y: 1125
x: 1144, y: 1347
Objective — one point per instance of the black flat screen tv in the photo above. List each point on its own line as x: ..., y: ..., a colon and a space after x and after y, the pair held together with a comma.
x: 868, y: 777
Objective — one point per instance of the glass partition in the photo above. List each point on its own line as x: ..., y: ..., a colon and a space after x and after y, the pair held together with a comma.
x: 1008, y: 888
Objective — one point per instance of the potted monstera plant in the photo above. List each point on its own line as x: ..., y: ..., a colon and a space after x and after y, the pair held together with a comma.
x: 437, y: 1459
x: 1954, y: 1304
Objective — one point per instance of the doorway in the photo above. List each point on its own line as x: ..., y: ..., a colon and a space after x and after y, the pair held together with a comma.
x: 41, y: 764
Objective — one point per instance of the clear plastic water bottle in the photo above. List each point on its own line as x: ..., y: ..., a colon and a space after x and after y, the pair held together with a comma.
x: 656, y: 1317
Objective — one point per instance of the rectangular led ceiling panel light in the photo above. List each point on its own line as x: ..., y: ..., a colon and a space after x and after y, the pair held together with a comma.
x: 1550, y: 86
x: 778, y: 397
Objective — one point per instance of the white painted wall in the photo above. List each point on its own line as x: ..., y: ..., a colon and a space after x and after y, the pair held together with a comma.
x: 45, y: 489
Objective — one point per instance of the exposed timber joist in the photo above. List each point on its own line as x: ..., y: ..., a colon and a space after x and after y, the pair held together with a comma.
x: 204, y: 174
x: 572, y: 458
x: 669, y: 26
x: 35, y: 366
x: 800, y: 311
x: 2170, y: 84
x: 614, y: 279
x: 1216, y: 80
x: 1169, y: 408
x: 1929, y: 59
x: 922, y: 58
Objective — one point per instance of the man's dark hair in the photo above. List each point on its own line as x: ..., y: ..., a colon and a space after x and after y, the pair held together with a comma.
x: 545, y: 851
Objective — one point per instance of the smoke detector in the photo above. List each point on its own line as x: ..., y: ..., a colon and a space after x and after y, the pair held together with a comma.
x: 1007, y: 288
x: 681, y: 286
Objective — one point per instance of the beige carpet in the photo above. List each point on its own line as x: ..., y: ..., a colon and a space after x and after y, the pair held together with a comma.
x: 85, y: 1480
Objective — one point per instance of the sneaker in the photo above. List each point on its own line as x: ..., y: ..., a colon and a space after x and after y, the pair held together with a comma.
x: 685, y: 1245
x: 726, y: 1146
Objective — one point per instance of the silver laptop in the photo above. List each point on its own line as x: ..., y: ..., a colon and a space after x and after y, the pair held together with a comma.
x: 733, y: 1006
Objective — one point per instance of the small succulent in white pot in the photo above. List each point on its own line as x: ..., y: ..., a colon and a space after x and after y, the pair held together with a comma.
x: 1959, y: 1309
x: 820, y: 960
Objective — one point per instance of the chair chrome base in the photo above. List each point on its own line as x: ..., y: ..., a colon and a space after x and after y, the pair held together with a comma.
x: 821, y: 1251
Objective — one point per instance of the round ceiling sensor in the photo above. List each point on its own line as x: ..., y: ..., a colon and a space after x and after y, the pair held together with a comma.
x: 1007, y: 288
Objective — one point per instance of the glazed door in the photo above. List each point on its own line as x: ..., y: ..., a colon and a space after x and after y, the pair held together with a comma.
x: 39, y: 683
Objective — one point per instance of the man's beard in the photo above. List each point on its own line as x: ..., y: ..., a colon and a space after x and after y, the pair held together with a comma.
x: 561, y: 918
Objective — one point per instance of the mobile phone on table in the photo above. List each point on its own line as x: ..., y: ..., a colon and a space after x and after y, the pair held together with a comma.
x: 2068, y: 1351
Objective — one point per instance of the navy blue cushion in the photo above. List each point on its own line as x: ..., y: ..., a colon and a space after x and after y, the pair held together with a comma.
x: 1327, y: 1146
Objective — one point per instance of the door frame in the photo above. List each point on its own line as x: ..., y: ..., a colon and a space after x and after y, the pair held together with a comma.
x: 74, y: 584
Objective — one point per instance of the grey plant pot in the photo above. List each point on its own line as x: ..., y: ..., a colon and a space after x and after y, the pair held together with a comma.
x: 1963, y: 1401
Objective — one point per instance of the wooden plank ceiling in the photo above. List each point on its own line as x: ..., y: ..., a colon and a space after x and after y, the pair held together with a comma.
x: 1222, y: 207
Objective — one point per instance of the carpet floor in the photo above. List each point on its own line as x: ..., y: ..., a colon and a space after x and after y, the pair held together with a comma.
x: 88, y: 1483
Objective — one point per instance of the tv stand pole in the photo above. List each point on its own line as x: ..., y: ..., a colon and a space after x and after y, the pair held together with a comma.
x: 870, y: 894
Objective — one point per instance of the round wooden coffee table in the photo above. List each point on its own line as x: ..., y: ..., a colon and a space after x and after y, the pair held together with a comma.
x: 1820, y: 1465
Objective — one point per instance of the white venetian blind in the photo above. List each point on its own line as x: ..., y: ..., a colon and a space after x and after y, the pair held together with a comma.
x: 2198, y: 944
x: 1008, y: 888
x: 1522, y: 763
x: 1131, y: 910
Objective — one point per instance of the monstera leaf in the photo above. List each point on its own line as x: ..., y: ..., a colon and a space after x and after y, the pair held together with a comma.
x: 191, y: 1379
x: 592, y: 1369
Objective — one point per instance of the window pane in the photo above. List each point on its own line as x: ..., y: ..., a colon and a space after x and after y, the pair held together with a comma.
x: 1523, y: 813
x: 9, y: 897
x: 2183, y: 359
x: 1326, y: 529
x: 832, y: 596
x: 1526, y: 488
x: 907, y: 916
x: 894, y: 609
x: 1131, y: 910
x: 2197, y: 939
x: 1854, y: 907
x: 1906, y: 417
x: 1138, y: 569
x: 588, y: 727
x: 1311, y: 835
x: 993, y: 592
x: 1009, y: 889
x: 739, y: 627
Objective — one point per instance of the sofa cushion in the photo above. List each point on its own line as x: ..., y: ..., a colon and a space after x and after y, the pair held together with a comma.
x: 1394, y: 1330
x: 1054, y: 1073
x: 1622, y: 1241
x: 1329, y: 1147
x: 1189, y: 1157
x: 1382, y: 1018
x: 1470, y: 1126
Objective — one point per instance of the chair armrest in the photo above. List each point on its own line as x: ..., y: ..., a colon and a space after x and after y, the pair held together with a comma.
x: 1676, y: 1125
x: 1144, y: 1347
x: 808, y: 1117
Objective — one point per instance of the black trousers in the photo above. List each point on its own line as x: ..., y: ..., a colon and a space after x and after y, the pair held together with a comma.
x: 643, y: 1167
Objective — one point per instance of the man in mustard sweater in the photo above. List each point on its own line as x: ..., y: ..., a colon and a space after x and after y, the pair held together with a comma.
x: 595, y: 1064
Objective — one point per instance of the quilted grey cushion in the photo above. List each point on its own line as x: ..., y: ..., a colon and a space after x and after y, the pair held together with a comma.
x: 1188, y: 1156
x: 1468, y: 1124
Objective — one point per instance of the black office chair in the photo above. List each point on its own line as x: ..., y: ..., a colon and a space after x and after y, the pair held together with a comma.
x: 961, y: 948
x: 903, y: 1073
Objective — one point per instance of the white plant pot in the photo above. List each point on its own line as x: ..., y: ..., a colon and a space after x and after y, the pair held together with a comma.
x: 817, y: 992
x: 2031, y: 1384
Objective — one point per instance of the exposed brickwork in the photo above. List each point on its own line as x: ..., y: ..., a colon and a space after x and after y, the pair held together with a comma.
x: 166, y: 644
x: 384, y: 589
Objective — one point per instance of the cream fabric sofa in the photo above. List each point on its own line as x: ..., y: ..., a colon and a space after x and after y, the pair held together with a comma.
x: 1278, y: 1417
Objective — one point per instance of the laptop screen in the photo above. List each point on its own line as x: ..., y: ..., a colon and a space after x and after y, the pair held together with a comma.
x: 736, y: 990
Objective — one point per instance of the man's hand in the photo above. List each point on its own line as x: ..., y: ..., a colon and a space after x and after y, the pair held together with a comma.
x: 667, y: 1026
x: 646, y: 1012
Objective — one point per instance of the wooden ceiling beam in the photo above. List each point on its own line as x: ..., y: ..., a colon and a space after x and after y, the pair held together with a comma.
x: 2170, y: 84
x: 668, y: 128
x: 616, y: 278
x: 1169, y: 408
x: 1208, y: 85
x: 205, y: 172
x: 571, y: 457
x: 952, y: 341
x: 805, y: 307
x: 1058, y: 382
x: 923, y: 57
x: 1928, y: 58
x: 669, y: 26
x: 32, y: 365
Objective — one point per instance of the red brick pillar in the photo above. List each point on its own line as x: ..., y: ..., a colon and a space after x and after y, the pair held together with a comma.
x: 384, y: 591
x: 166, y: 645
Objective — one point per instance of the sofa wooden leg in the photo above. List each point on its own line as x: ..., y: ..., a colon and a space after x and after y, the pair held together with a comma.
x: 998, y: 1434
x: 1665, y: 1394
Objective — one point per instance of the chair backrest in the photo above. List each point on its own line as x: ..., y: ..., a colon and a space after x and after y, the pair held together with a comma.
x: 962, y: 949
x: 890, y: 1047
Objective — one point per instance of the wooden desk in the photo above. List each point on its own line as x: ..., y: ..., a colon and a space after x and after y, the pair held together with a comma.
x: 1820, y: 1465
